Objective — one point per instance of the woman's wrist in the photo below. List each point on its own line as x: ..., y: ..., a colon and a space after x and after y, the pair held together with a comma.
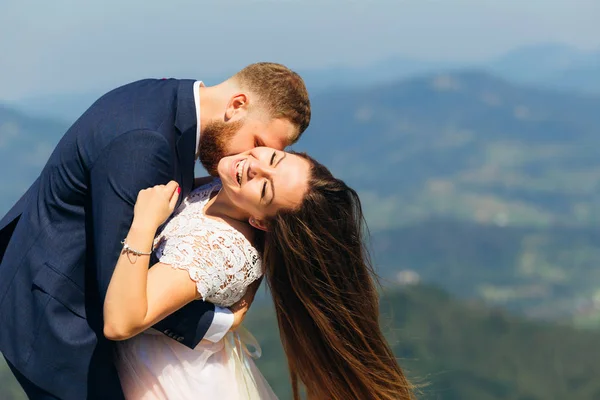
x: 141, y: 236
x: 143, y: 226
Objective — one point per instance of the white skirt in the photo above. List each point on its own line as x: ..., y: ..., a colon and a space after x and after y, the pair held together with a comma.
x: 153, y: 366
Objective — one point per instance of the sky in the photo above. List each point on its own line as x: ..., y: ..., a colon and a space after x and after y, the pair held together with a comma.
x: 66, y: 46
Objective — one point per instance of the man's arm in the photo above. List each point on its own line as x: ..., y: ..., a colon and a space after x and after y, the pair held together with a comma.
x: 138, y: 160
x: 229, y: 319
x: 134, y: 161
x: 223, y: 321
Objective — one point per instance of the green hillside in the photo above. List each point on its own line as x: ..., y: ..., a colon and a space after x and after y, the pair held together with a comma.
x: 545, y: 273
x: 464, y: 351
x: 9, y: 388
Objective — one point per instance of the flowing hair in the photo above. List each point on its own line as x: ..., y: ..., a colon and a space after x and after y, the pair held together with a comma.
x: 326, y: 299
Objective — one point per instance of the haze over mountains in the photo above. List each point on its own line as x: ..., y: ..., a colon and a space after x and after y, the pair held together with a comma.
x: 462, y: 144
x: 549, y: 65
x: 466, y: 148
x: 484, y: 181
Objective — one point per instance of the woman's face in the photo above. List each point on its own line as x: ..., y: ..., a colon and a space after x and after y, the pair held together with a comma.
x: 263, y: 180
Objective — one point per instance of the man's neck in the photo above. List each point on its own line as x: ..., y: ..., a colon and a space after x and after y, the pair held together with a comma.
x: 204, y: 95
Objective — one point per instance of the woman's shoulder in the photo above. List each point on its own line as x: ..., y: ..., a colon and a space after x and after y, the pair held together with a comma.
x: 243, y: 228
x: 247, y: 230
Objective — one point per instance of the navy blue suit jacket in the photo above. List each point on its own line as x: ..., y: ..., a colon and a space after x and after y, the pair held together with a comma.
x: 59, y: 244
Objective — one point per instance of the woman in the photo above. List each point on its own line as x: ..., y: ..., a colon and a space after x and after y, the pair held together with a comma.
x: 308, y: 226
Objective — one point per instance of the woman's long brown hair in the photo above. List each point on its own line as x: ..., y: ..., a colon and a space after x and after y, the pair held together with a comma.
x: 326, y: 298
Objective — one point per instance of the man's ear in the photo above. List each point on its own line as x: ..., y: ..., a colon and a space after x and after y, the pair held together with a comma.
x: 258, y: 224
x: 237, y: 105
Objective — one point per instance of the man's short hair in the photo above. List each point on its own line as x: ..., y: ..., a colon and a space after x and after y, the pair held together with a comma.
x: 281, y: 92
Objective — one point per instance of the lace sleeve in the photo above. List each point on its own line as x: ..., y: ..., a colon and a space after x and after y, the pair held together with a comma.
x: 221, y: 262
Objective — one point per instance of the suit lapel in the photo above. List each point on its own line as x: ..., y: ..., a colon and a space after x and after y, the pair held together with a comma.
x: 186, y: 123
x: 186, y: 156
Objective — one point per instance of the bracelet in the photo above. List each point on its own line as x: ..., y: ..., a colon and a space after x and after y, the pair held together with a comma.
x: 128, y: 250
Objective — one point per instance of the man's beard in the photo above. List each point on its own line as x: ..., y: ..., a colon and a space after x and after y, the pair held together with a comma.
x: 214, y: 140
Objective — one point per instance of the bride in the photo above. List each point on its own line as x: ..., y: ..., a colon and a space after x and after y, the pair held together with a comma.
x: 271, y: 213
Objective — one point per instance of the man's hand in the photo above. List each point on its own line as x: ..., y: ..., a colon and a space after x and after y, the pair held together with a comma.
x: 240, y: 308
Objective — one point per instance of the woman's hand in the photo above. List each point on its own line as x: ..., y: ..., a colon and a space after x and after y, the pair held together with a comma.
x: 154, y: 205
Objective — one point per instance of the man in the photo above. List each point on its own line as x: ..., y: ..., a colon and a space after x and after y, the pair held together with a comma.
x: 60, y: 242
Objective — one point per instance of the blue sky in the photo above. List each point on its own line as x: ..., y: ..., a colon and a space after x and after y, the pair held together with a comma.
x: 63, y: 46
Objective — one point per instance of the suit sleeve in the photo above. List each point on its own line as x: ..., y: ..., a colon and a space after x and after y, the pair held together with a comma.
x: 134, y: 161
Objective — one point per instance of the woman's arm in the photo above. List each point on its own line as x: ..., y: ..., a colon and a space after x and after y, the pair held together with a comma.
x: 138, y: 297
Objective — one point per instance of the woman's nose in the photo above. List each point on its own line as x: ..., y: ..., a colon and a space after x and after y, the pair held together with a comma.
x: 260, y: 169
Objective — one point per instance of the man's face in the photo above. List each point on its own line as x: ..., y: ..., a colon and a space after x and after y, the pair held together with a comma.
x: 220, y: 139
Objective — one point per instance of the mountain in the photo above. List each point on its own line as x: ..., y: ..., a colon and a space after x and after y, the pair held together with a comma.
x: 543, y: 273
x: 464, y: 145
x: 581, y: 79
x: 551, y: 65
x: 454, y: 350
x: 69, y: 106
x: 540, y: 62
x: 65, y: 106
x: 388, y: 70
x: 25, y: 145
x: 499, y: 182
x: 487, y: 188
x: 545, y: 65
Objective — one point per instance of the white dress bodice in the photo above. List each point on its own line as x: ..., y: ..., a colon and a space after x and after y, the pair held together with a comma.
x: 222, y: 263
x: 218, y: 257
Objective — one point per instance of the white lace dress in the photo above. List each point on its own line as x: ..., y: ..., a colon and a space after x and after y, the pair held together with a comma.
x: 222, y: 263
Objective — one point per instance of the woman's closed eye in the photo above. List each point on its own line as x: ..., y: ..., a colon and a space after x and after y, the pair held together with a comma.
x: 264, y: 188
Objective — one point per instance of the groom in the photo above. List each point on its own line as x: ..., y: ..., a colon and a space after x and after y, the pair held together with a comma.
x: 60, y: 242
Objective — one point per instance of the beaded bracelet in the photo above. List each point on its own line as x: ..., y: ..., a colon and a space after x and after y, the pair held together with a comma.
x: 128, y: 250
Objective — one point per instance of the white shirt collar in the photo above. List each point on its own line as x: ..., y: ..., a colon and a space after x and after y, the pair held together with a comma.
x: 197, y: 101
